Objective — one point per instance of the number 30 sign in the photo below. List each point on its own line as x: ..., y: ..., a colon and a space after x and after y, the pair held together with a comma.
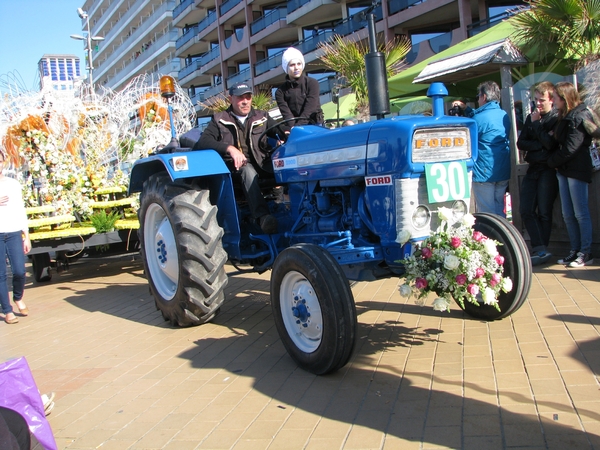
x: 447, y: 181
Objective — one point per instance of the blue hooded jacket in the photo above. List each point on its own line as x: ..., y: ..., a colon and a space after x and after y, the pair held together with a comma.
x: 493, y: 129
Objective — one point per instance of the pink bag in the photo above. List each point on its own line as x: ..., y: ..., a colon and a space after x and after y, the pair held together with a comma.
x: 19, y: 392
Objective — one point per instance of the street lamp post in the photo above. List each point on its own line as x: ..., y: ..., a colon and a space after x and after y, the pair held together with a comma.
x: 89, y: 39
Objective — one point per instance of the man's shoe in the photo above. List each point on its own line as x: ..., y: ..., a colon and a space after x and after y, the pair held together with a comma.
x: 268, y: 224
x: 48, y: 399
x: 538, y: 258
x: 583, y: 259
x: 569, y: 259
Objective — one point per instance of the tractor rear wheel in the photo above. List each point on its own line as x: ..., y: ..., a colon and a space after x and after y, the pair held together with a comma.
x: 182, y: 251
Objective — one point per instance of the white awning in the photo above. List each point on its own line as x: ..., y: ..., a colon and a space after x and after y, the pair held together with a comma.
x: 471, y: 64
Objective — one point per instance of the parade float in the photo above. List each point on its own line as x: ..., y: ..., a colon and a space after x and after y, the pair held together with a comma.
x: 72, y: 151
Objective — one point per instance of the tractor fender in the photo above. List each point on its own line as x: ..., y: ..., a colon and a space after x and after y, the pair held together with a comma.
x: 179, y: 165
x: 191, y: 166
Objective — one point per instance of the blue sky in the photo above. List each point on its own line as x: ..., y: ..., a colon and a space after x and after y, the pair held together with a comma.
x: 31, y: 28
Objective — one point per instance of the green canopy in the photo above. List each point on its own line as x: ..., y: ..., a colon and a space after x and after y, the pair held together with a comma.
x: 402, y: 84
x: 330, y: 109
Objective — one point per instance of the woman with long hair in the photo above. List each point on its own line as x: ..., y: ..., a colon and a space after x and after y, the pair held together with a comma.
x: 574, y: 172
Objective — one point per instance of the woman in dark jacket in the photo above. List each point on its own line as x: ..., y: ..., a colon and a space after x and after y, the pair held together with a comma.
x: 574, y: 172
x: 299, y: 95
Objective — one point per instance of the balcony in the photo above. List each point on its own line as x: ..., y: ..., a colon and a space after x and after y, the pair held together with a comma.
x: 293, y: 5
x: 356, y: 22
x: 266, y: 20
x: 188, y: 12
x: 307, y: 12
x: 228, y: 6
x: 395, y: 6
x: 243, y: 75
x: 441, y: 42
x: 186, y: 37
x: 198, y: 63
x: 214, y: 90
x: 482, y: 25
x: 207, y: 29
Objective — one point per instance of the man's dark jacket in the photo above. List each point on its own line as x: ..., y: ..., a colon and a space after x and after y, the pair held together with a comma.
x: 572, y: 156
x: 225, y: 129
x: 299, y: 98
x: 536, y: 141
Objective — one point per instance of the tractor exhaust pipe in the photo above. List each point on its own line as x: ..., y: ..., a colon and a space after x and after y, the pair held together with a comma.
x: 377, y: 84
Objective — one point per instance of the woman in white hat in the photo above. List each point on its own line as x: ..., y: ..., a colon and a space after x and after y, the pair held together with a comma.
x: 299, y: 95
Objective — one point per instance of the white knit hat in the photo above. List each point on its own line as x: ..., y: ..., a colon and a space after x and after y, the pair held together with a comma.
x: 289, y: 55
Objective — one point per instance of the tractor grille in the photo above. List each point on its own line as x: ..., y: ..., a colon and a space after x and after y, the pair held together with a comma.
x: 431, y: 145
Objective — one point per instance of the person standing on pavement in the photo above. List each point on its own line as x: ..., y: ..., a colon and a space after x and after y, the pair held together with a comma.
x: 14, y: 243
x: 574, y: 171
x: 491, y: 171
x: 298, y: 97
x: 234, y: 134
x: 539, y: 187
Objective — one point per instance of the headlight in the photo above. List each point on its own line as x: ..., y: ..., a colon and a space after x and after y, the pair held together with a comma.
x: 421, y: 217
x: 459, y: 209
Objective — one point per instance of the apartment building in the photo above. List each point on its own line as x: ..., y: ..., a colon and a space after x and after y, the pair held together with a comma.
x: 139, y: 37
x: 58, y: 72
x: 208, y: 45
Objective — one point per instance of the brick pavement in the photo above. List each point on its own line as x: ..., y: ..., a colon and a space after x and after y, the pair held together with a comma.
x: 418, y: 379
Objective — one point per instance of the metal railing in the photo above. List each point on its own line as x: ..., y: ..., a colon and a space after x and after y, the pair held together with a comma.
x: 211, y: 17
x: 482, y: 25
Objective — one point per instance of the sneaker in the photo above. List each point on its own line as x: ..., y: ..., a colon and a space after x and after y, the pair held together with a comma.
x: 569, y: 259
x: 47, y: 399
x: 538, y: 258
x: 49, y: 409
x: 268, y: 224
x: 583, y: 259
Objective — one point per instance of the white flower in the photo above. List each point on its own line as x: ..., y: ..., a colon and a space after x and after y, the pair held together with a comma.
x: 445, y: 214
x: 451, y: 262
x: 489, y: 296
x: 441, y: 304
x: 507, y: 284
x: 468, y: 220
x: 490, y: 247
x: 403, y: 237
x: 405, y: 290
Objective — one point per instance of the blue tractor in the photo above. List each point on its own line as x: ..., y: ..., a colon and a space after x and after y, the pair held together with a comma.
x: 349, y: 192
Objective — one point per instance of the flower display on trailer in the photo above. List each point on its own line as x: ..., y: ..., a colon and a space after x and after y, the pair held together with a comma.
x: 65, y: 145
x: 456, y: 262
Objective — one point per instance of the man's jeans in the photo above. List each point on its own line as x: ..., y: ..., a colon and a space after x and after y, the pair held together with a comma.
x: 11, y: 245
x: 248, y: 177
x: 576, y: 212
x: 489, y: 197
x: 538, y: 192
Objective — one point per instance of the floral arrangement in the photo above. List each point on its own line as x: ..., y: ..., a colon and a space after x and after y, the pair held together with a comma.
x: 455, y: 261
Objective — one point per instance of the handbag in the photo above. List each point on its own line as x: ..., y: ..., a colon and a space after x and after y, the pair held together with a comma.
x: 19, y: 392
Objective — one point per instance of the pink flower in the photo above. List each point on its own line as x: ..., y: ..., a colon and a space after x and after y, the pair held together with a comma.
x: 479, y: 272
x: 455, y: 242
x: 426, y: 252
x: 420, y: 283
x: 496, y: 278
x: 499, y: 259
x: 478, y: 236
x: 461, y: 279
x: 473, y: 289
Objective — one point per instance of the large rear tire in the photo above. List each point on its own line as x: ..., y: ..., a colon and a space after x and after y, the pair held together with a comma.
x: 313, y: 308
x: 517, y: 266
x: 182, y: 251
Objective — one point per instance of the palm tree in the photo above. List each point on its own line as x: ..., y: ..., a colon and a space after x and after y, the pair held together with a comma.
x: 261, y: 99
x: 347, y: 58
x: 563, y: 29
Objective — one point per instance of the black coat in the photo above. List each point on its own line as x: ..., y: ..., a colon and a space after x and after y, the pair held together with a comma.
x: 225, y: 129
x: 299, y: 98
x: 536, y: 140
x: 572, y: 156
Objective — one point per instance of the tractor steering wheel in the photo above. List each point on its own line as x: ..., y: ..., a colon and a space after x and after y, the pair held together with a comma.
x: 262, y: 141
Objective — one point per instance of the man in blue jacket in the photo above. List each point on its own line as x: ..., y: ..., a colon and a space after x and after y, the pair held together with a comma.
x: 491, y: 171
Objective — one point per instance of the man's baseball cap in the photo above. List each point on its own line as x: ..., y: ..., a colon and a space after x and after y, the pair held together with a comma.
x: 240, y: 89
